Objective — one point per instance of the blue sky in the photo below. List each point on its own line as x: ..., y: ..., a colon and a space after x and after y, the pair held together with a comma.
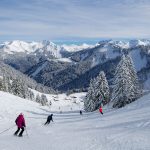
x: 73, y: 19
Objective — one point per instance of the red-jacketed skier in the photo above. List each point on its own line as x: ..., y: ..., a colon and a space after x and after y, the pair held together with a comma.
x: 101, y: 110
x: 20, y: 122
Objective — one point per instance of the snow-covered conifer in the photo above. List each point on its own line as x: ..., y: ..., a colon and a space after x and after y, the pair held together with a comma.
x: 38, y: 98
x: 98, y: 93
x: 125, y: 83
x: 18, y: 88
x: 88, y: 102
x: 43, y: 100
x: 1, y: 84
x: 135, y: 89
x: 31, y: 95
x: 102, y: 89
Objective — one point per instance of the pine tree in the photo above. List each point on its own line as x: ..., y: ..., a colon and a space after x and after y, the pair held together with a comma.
x: 135, y: 89
x: 125, y: 83
x: 1, y: 84
x: 9, y: 85
x: 5, y: 84
x: 18, y: 88
x: 89, y: 104
x: 98, y: 93
x: 43, y: 100
x: 50, y: 103
x: 38, y: 98
x: 31, y: 95
x: 102, y: 89
x: 15, y: 87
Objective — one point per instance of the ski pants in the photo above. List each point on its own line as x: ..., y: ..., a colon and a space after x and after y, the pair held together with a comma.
x: 47, y: 122
x: 22, y: 130
x: 101, y: 113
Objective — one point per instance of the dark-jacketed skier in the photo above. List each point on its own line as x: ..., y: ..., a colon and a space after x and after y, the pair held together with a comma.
x: 80, y: 112
x: 49, y: 119
x: 20, y: 122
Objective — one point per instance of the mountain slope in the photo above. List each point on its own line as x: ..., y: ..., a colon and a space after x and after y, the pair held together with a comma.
x: 77, y: 74
x: 122, y: 129
x: 61, y: 69
x: 11, y: 73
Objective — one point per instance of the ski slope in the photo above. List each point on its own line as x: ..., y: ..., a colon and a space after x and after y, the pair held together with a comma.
x: 122, y: 129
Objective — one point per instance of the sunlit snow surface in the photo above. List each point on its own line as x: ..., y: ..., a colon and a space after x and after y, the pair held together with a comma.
x: 123, y: 129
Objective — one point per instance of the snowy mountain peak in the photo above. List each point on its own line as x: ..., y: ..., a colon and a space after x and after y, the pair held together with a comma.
x: 44, y: 47
x: 121, y: 44
x: 46, y: 42
x: 74, y: 48
x: 30, y: 47
x: 48, y: 48
x: 17, y: 47
x: 128, y: 44
x: 134, y: 43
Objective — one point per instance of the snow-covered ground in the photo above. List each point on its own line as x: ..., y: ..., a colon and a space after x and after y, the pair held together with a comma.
x: 62, y: 102
x: 122, y: 129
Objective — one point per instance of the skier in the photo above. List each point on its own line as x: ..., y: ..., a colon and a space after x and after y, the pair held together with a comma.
x: 101, y: 110
x: 49, y: 119
x: 80, y: 112
x: 20, y: 122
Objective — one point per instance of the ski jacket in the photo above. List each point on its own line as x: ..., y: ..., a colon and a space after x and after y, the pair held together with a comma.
x: 49, y: 118
x: 20, y: 122
x: 100, y: 110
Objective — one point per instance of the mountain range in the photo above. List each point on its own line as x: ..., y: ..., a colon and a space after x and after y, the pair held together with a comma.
x: 70, y: 67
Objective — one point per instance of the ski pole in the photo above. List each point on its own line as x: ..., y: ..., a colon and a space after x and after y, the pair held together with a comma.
x: 7, y: 129
x: 26, y: 132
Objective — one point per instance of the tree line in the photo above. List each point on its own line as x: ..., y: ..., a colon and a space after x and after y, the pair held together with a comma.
x: 19, y: 88
x: 125, y: 87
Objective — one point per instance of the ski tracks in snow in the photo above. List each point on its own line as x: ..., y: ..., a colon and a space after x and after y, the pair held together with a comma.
x: 116, y: 130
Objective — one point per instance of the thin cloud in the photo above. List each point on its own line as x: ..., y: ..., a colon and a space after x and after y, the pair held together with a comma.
x: 55, y: 19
